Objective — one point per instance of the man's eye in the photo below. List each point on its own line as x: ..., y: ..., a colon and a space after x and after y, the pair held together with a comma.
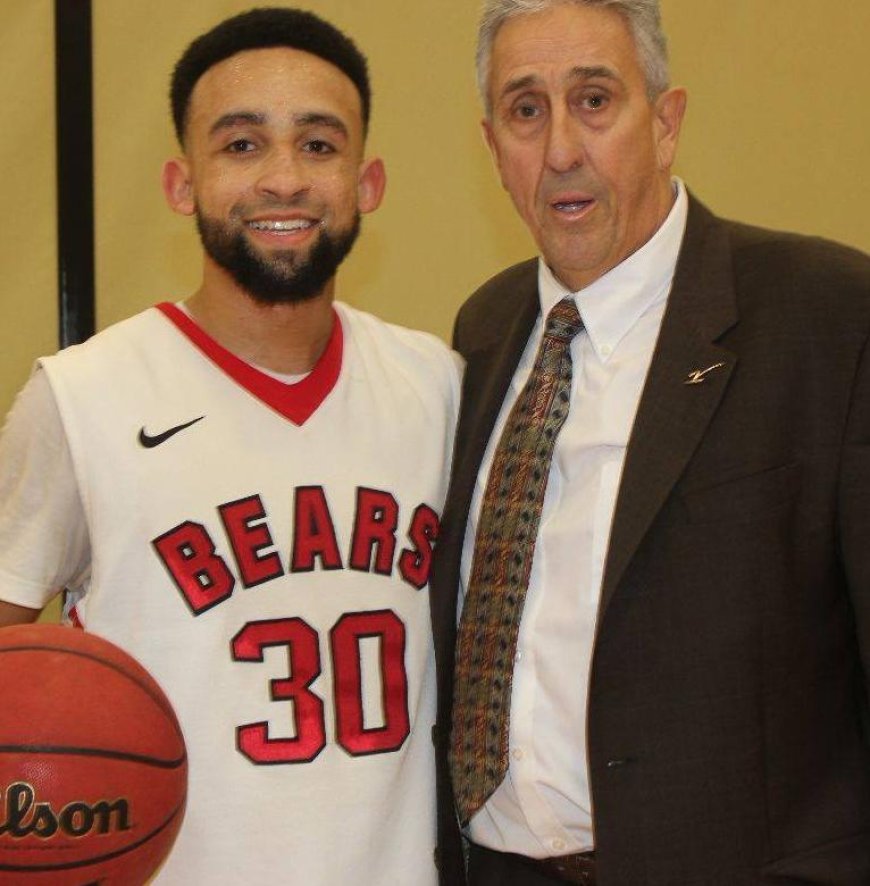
x: 527, y: 112
x: 240, y: 146
x: 595, y: 102
x: 318, y: 146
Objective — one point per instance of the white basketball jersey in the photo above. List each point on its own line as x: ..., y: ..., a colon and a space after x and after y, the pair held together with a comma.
x: 264, y: 550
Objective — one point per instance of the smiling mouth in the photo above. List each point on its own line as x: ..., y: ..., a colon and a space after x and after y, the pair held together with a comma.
x: 280, y: 226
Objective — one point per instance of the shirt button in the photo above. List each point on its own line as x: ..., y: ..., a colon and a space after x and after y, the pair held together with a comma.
x: 558, y: 844
x: 518, y: 754
x: 606, y: 350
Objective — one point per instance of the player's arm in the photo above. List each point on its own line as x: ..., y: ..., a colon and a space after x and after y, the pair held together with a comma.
x: 11, y: 614
x: 44, y: 542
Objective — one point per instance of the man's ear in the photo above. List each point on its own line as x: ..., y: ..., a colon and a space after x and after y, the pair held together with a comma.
x: 670, y: 108
x: 371, y: 185
x: 177, y: 186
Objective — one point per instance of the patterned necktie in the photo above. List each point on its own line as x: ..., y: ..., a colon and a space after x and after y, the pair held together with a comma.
x: 504, y: 546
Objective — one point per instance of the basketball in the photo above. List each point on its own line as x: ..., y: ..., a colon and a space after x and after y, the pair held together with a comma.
x: 93, y: 768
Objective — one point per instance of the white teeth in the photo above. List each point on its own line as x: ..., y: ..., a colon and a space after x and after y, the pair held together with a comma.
x: 571, y: 207
x: 293, y: 224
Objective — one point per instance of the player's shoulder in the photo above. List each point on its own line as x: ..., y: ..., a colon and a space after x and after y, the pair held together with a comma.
x: 145, y: 326
x: 390, y: 341
x: 132, y: 348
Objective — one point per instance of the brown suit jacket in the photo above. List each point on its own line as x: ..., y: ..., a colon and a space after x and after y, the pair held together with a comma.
x: 727, y: 731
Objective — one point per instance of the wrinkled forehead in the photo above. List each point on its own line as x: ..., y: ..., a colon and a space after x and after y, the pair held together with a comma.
x: 562, y: 42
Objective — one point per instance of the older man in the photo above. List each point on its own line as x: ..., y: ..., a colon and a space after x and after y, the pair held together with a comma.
x: 657, y: 530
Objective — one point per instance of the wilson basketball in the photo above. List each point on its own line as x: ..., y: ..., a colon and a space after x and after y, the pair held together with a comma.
x: 93, y: 768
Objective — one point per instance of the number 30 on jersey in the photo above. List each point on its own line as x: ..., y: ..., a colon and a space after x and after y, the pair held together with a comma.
x: 303, y: 656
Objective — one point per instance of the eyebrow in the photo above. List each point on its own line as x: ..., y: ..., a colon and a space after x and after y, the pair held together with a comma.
x: 317, y: 118
x: 255, y: 118
x: 237, y: 118
x: 518, y: 84
x: 580, y: 72
x: 593, y: 72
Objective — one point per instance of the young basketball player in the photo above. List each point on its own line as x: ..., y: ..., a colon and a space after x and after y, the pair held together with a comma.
x: 243, y: 489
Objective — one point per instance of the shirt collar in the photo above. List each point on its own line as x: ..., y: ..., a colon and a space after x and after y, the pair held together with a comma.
x: 615, y: 302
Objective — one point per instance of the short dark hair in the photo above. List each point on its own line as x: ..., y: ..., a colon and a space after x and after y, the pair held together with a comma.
x: 264, y: 28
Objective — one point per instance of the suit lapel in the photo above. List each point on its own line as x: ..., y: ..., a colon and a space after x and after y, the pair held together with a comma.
x: 488, y: 372
x: 672, y: 415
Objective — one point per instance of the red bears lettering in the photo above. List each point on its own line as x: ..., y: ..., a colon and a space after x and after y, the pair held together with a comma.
x: 203, y: 577
x: 313, y: 532
x: 416, y: 564
x: 247, y: 539
x: 374, y: 531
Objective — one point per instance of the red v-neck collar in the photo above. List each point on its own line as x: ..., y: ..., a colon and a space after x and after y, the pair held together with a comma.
x: 296, y: 402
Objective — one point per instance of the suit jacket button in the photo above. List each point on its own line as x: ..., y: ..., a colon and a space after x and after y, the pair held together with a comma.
x: 618, y: 764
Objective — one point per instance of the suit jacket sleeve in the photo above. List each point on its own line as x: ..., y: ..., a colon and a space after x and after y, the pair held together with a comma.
x: 854, y: 505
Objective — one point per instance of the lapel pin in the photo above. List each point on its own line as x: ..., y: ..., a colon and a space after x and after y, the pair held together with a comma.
x: 699, y: 376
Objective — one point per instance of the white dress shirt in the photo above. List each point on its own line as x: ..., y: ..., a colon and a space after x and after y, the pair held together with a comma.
x: 543, y: 806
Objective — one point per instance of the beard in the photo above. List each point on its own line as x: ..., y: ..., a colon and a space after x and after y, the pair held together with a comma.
x: 280, y: 277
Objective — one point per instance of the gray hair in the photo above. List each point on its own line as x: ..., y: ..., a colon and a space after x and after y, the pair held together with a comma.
x: 643, y: 17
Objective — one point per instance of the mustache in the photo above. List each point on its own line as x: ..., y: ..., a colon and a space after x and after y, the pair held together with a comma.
x: 274, y: 204
x: 572, y: 182
x: 240, y: 211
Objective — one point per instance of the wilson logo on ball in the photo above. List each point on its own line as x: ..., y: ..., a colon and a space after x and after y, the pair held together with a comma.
x: 93, y: 767
x: 25, y: 817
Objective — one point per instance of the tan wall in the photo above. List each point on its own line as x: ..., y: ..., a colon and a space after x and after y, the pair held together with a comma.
x: 28, y: 254
x: 778, y: 130
x: 777, y: 133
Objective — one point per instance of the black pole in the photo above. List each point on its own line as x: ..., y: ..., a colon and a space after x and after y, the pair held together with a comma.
x: 75, y: 169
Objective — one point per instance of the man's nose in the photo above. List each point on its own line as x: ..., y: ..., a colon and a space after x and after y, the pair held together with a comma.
x: 565, y: 141
x: 283, y: 174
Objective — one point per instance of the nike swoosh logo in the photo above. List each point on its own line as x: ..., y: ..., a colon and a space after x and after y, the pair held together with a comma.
x: 149, y: 442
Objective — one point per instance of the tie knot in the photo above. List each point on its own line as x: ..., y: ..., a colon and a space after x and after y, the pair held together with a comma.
x: 563, y: 321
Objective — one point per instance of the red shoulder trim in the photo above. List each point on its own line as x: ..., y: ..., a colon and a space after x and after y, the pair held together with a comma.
x: 296, y: 402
